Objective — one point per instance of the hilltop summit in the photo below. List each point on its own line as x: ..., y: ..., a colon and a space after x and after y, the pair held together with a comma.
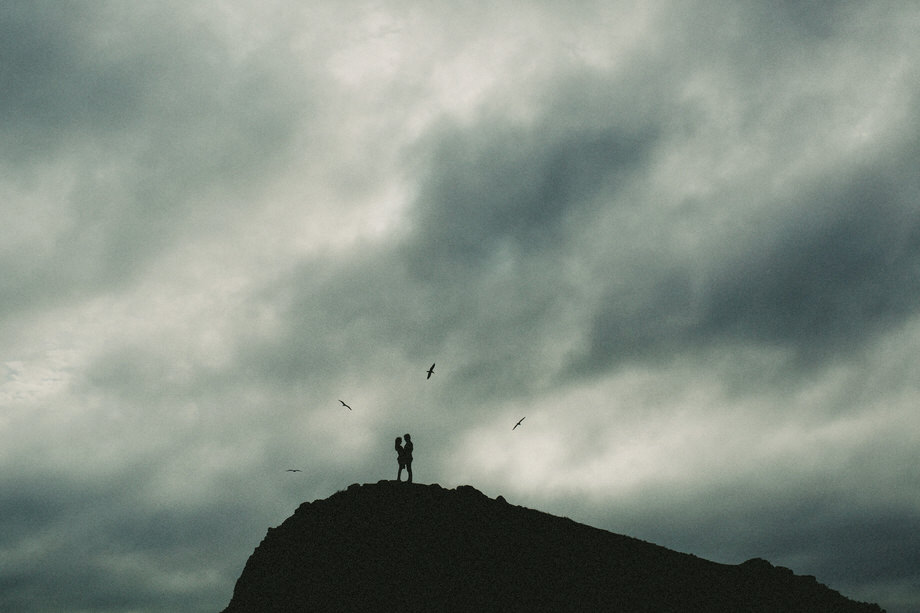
x: 410, y: 547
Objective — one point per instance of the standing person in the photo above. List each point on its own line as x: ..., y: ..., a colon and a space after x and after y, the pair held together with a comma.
x: 400, y: 457
x: 407, y: 457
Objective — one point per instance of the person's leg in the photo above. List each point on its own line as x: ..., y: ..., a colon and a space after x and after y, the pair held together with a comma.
x: 409, y: 472
x: 399, y: 473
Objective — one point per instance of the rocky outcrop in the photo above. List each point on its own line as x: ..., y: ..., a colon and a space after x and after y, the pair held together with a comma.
x: 410, y: 547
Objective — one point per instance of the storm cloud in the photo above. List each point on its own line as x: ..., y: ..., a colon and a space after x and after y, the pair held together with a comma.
x: 683, y: 241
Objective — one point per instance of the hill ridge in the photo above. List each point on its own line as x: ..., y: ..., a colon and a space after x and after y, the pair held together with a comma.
x: 412, y: 547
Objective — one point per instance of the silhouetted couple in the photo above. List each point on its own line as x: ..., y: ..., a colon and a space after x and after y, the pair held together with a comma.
x: 404, y: 457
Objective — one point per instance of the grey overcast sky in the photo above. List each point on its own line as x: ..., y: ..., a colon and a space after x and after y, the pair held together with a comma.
x: 681, y: 238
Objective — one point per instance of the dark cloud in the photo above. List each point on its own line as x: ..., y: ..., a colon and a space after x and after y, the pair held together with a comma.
x: 495, y: 185
x: 842, y: 267
x: 819, y: 274
x: 55, y: 85
x: 146, y: 116
x: 683, y: 242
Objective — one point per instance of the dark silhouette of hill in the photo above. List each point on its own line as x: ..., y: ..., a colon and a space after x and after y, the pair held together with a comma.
x: 410, y: 547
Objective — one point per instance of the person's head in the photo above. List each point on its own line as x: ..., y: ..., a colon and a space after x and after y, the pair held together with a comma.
x: 408, y: 438
x: 398, y: 440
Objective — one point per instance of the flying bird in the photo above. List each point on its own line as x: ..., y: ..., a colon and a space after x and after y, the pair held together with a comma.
x: 293, y: 470
x: 519, y: 422
x: 430, y: 372
x: 345, y: 405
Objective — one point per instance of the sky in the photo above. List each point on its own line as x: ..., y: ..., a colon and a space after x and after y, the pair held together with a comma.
x: 681, y: 239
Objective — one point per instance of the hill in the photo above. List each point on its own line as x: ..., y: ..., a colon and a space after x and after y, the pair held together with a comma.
x: 410, y: 547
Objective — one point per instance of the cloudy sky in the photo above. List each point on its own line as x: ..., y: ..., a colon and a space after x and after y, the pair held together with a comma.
x: 682, y: 239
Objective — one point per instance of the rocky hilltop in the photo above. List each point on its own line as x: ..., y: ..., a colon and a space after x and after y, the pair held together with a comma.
x: 409, y: 547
